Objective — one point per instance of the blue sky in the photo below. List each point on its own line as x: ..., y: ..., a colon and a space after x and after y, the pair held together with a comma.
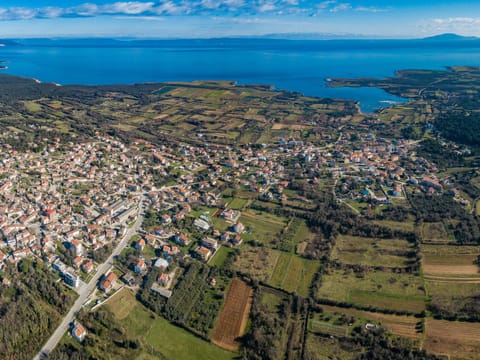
x: 215, y: 18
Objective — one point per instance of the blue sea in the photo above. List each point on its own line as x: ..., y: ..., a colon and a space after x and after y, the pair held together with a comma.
x: 301, y: 66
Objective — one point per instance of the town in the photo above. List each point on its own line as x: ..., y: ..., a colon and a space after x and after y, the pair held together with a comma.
x: 102, y: 214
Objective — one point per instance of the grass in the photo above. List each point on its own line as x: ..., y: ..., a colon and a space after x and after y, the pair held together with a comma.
x: 159, y: 337
x: 262, y: 226
x: 122, y: 303
x: 450, y: 260
x: 326, y: 348
x: 257, y: 262
x: 456, y: 339
x: 435, y: 233
x: 453, y: 297
x: 220, y: 257
x: 32, y: 106
x: 203, y: 210
x: 271, y: 299
x: 399, y: 325
x: 323, y: 327
x: 372, y: 252
x: 220, y: 224
x: 237, y: 204
x: 293, y: 274
x: 303, y: 233
x: 403, y: 292
x: 397, y: 225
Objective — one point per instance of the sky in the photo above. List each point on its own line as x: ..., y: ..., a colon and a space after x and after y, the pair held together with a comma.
x: 221, y: 18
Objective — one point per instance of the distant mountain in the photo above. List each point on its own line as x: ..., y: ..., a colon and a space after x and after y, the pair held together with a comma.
x: 315, y: 36
x: 450, y: 37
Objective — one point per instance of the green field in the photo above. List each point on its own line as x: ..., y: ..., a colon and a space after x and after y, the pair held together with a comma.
x: 32, y: 106
x: 372, y: 252
x: 384, y: 290
x: 220, y: 224
x: 294, y: 274
x: 322, y: 348
x: 220, y: 256
x: 435, y: 233
x: 397, y: 225
x: 450, y: 255
x: 272, y: 299
x: 455, y: 298
x: 323, y: 327
x: 257, y: 262
x: 237, y: 204
x: 160, y: 337
x: 302, y: 233
x: 262, y: 226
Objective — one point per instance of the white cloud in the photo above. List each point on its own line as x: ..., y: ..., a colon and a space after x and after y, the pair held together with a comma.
x: 180, y: 7
x: 371, y: 9
x: 461, y: 25
x: 457, y: 21
x: 341, y: 7
x: 265, y: 7
x: 128, y: 8
x: 326, y: 4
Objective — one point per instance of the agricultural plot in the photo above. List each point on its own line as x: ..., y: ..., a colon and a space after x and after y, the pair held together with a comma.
x: 435, y: 233
x: 294, y: 274
x: 332, y: 323
x: 326, y: 328
x: 234, y: 316
x: 450, y: 261
x: 373, y: 252
x: 272, y: 298
x: 195, y: 303
x: 220, y: 256
x: 322, y: 348
x: 455, y: 297
x: 261, y: 226
x: 159, y: 339
x: 237, y: 204
x: 296, y: 232
x: 383, y: 290
x: 400, y: 325
x: 397, y: 225
x: 257, y: 262
x: 459, y: 340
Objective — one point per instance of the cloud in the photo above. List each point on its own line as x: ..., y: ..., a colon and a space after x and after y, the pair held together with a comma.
x: 341, y: 7
x: 128, y: 8
x: 326, y: 4
x: 457, y: 21
x: 145, y: 9
x: 462, y: 25
x: 372, y: 9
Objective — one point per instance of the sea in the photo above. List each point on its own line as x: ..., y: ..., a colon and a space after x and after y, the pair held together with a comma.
x: 295, y: 65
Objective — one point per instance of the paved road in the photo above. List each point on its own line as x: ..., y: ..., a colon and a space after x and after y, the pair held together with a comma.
x: 85, y: 291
